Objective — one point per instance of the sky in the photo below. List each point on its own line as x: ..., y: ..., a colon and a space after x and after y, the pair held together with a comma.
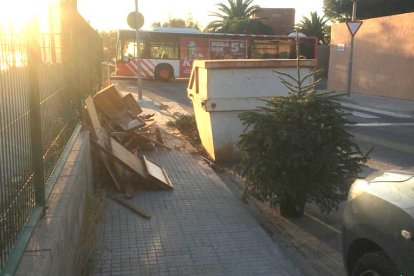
x: 112, y: 14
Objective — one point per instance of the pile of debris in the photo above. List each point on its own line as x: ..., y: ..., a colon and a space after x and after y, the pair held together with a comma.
x: 119, y: 131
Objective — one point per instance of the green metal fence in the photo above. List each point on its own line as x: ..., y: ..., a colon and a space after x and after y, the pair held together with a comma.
x: 44, y: 76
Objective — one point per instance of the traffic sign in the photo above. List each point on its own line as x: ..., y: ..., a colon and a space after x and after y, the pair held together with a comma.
x: 132, y: 22
x: 353, y: 26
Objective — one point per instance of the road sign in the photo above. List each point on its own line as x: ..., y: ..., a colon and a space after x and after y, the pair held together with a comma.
x: 353, y: 26
x: 131, y: 20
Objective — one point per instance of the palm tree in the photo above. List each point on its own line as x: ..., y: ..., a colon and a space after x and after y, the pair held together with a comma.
x: 315, y: 26
x: 235, y: 9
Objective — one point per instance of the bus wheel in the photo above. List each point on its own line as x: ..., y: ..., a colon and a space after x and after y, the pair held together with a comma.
x: 163, y: 72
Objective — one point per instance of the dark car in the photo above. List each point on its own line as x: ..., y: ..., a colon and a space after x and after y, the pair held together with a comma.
x: 378, y: 225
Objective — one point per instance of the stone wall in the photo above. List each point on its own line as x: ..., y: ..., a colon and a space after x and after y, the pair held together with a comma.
x: 53, y: 247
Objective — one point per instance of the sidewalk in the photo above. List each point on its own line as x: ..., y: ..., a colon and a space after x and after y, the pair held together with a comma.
x: 199, y: 228
x: 376, y: 102
x: 382, y: 103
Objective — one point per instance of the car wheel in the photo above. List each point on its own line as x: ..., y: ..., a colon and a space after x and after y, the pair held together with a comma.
x: 374, y: 264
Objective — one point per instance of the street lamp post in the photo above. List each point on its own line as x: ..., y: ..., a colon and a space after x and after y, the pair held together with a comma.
x: 139, y: 84
x: 351, y: 51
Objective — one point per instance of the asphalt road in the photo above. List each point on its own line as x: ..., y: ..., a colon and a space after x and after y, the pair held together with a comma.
x: 390, y: 135
x: 161, y: 92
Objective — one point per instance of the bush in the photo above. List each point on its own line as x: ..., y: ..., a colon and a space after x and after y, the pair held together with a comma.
x: 298, y: 149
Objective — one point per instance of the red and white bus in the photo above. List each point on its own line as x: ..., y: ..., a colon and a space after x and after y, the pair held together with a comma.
x: 169, y: 52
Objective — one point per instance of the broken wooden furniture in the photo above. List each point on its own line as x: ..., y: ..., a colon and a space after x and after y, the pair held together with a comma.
x: 110, y: 102
x: 122, y: 118
x: 111, y: 150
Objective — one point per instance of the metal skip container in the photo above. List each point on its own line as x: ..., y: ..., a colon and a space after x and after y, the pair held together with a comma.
x: 222, y: 89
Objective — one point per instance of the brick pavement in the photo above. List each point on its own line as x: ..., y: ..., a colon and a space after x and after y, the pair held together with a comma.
x: 199, y: 228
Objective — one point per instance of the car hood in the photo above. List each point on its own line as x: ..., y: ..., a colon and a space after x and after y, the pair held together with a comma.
x: 396, y: 188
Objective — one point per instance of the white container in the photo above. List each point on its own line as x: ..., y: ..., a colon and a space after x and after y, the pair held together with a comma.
x: 222, y: 89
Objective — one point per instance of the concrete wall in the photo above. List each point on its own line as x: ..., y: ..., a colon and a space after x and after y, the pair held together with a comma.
x: 383, y: 57
x: 52, y: 249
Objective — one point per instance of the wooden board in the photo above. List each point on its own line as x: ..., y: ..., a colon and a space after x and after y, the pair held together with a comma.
x: 158, y: 173
x: 96, y: 130
x: 110, y: 167
x: 93, y: 118
x: 132, y: 104
x: 158, y: 135
x: 110, y: 102
x: 125, y: 157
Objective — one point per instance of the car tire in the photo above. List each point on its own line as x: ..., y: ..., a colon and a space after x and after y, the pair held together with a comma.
x: 163, y: 72
x: 374, y: 263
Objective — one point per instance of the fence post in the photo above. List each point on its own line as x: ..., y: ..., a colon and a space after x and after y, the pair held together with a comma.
x: 33, y: 60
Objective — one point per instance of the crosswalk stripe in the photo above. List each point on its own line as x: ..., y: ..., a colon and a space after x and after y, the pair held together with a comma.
x: 363, y: 115
x: 383, y: 124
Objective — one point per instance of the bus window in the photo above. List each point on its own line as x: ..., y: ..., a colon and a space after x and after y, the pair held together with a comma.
x: 127, y: 50
x: 163, y: 50
x: 285, y: 49
x: 263, y: 49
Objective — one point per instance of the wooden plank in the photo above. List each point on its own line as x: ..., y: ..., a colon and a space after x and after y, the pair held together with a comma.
x: 140, y: 135
x: 96, y: 129
x: 110, y: 102
x: 93, y: 118
x: 158, y: 173
x: 158, y: 135
x: 131, y: 207
x: 125, y: 157
x: 110, y: 167
x: 132, y: 104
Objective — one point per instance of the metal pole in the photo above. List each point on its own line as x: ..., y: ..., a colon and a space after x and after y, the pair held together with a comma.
x: 33, y: 60
x: 351, y: 52
x: 138, y: 53
x: 298, y: 62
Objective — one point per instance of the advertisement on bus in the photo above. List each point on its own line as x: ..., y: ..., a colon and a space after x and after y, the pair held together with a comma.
x: 228, y: 49
x: 192, y: 48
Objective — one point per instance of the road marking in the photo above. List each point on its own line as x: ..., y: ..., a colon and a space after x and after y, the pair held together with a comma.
x: 323, y: 223
x: 363, y: 115
x: 382, y: 124
x: 378, y: 111
x: 385, y: 143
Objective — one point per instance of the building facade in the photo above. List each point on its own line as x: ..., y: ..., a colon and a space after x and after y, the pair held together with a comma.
x: 282, y: 21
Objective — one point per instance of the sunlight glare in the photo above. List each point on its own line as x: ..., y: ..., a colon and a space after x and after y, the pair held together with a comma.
x: 18, y: 13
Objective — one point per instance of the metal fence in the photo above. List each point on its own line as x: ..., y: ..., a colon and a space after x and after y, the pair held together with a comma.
x: 44, y: 76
